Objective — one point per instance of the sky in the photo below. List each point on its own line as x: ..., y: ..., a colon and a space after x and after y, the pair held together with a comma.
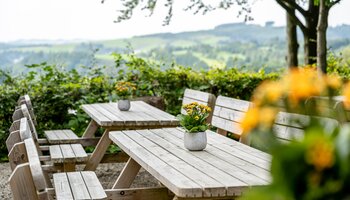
x: 91, y: 20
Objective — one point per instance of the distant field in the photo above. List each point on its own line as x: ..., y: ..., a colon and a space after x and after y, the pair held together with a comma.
x: 234, y: 45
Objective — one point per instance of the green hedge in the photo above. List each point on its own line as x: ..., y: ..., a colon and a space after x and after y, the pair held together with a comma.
x: 54, y: 90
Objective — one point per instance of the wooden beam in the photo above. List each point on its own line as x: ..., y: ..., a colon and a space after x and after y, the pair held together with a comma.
x: 159, y: 193
x: 127, y: 175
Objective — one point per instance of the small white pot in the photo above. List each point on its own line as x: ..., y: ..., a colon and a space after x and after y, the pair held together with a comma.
x: 195, y: 141
x: 124, y: 105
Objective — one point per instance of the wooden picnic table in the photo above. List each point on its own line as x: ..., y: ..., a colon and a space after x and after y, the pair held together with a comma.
x: 107, y: 115
x: 223, y: 170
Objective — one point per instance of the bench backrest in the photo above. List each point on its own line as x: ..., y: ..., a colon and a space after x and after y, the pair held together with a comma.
x: 15, y: 143
x: 26, y: 100
x: 331, y: 108
x: 21, y: 112
x: 199, y: 97
x: 35, y: 179
x: 228, y: 113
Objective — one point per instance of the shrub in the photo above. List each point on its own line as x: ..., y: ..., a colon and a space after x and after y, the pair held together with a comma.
x: 55, y: 90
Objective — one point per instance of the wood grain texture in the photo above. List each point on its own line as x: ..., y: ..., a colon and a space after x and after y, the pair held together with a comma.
x: 210, y: 173
x: 140, y: 114
x: 22, y: 184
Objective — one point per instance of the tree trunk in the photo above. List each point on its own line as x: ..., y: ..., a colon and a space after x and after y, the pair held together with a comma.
x: 310, y: 35
x: 322, y: 38
x: 292, y: 40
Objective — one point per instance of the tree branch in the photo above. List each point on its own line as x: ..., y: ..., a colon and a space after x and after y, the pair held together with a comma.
x: 296, y: 6
x: 292, y: 15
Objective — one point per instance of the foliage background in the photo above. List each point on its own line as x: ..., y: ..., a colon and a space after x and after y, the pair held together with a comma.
x: 56, y: 90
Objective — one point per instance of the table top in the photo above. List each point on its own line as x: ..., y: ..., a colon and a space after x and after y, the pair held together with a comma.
x: 140, y: 115
x: 224, y: 168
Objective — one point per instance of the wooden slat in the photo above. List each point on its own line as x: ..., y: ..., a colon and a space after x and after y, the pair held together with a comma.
x: 17, y: 114
x: 227, y: 125
x: 35, y: 166
x: 77, y: 185
x: 26, y: 114
x: 170, y: 177
x: 62, y: 187
x: 196, y: 94
x: 12, y: 139
x: 52, y: 137
x: 56, y: 154
x: 160, y: 193
x: 17, y: 155
x: 209, y: 185
x: 68, y: 153
x: 79, y: 152
x: 15, y: 125
x: 94, y: 114
x: 155, y: 111
x: 21, y: 183
x: 218, y: 147
x: 232, y: 103
x: 234, y: 178
x: 93, y: 185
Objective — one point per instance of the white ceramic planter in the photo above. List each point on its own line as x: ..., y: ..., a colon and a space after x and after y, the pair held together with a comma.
x: 195, y: 141
x: 124, y: 105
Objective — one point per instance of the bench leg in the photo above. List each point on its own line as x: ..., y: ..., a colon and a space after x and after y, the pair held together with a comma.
x: 69, y: 167
x: 91, y: 129
x: 127, y: 175
x: 98, y: 153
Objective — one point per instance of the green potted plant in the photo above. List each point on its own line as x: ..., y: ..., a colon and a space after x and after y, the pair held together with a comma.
x: 194, y: 122
x: 124, y: 91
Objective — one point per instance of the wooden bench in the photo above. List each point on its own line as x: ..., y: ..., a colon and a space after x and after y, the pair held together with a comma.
x: 29, y: 181
x: 65, y: 155
x: 199, y: 97
x: 228, y: 113
x: 65, y: 136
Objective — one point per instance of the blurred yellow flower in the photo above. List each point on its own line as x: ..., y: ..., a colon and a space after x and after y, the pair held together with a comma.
x: 333, y: 81
x: 320, y: 154
x: 346, y: 93
x: 267, y: 116
x: 250, y: 120
x: 302, y: 84
x: 270, y: 91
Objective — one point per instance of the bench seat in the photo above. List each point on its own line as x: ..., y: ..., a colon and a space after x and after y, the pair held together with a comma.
x: 78, y: 185
x: 68, y: 153
x: 61, y: 136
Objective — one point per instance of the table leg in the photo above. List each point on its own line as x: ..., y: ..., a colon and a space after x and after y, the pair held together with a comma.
x: 91, y: 129
x: 99, y: 151
x: 127, y: 175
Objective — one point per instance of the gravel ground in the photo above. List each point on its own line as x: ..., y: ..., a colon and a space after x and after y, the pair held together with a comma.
x: 107, y: 174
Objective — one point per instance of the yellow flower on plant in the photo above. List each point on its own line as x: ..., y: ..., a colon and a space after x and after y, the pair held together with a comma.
x: 196, y: 117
